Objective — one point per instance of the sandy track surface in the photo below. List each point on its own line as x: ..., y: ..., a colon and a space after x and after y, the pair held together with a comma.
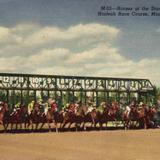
x: 95, y: 145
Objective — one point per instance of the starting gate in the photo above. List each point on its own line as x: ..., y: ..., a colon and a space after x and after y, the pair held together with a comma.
x: 26, y: 87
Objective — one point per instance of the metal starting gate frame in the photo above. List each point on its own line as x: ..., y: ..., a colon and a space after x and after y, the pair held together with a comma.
x: 96, y: 88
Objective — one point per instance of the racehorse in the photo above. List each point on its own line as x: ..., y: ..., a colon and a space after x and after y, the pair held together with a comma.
x: 17, y: 117
x: 3, y: 112
x: 36, y: 118
x: 113, y: 112
x: 142, y: 115
x: 70, y: 115
x: 127, y: 119
x: 78, y: 114
x: 103, y: 116
x: 150, y: 113
x: 21, y: 117
x: 89, y: 116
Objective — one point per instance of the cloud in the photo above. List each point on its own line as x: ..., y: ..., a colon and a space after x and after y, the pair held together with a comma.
x: 47, y: 34
x: 6, y: 37
x: 158, y: 30
x: 83, y: 49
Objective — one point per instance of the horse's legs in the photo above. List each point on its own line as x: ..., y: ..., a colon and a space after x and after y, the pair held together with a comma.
x: 69, y: 126
x: 136, y: 124
x: 145, y: 123
x: 36, y: 127
x: 16, y: 125
x: 84, y: 126
x: 5, y: 125
x: 11, y: 126
x: 49, y: 126
x: 128, y: 124
x: 106, y: 124
x: 32, y: 126
x: 56, y: 126
x: 25, y: 125
x: 64, y: 124
x: 125, y: 125
x: 28, y: 125
x: 42, y: 125
x: 76, y: 125
x: 93, y: 123
x: 20, y: 125
x: 60, y: 125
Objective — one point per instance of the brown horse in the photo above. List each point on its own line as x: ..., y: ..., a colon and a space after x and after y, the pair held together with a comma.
x: 20, y: 117
x: 150, y: 113
x: 103, y: 116
x: 127, y: 119
x: 36, y: 118
x: 50, y: 118
x: 68, y: 118
x: 79, y: 116
x: 4, y: 109
x: 112, y: 113
x: 142, y: 115
x: 89, y: 117
x: 17, y: 117
x: 70, y: 115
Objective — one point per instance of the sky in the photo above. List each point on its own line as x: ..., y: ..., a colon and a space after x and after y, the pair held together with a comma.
x: 69, y: 38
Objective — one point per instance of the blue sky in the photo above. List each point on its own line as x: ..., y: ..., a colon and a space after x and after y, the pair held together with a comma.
x: 67, y: 37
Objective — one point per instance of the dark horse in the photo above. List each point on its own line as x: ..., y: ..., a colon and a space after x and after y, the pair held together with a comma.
x: 79, y: 116
x: 89, y: 117
x: 143, y: 116
x: 3, y: 114
x: 128, y: 118
x: 109, y: 113
x: 36, y: 118
x: 17, y: 117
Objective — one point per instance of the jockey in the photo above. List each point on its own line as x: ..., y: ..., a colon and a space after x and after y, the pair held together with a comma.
x: 114, y: 105
x: 101, y: 107
x: 141, y: 104
x: 77, y: 107
x: 37, y: 108
x: 17, y: 107
x: 46, y: 107
x: 41, y: 105
x: 30, y: 107
x: 54, y: 107
x: 128, y: 110
x: 113, y: 108
x: 65, y: 108
x: 1, y: 105
x: 71, y: 108
x: 91, y: 107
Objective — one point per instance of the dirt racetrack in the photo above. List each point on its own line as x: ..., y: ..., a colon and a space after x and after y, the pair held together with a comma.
x: 94, y: 145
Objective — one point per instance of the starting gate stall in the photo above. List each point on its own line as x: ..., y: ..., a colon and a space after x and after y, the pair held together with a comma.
x: 27, y: 87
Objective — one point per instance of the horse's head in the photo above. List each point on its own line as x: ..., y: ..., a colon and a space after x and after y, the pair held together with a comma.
x: 141, y: 111
x: 153, y: 110
x: 84, y: 108
x: 5, y: 107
